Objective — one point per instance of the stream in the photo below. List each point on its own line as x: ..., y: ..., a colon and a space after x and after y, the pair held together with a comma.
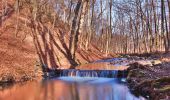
x: 73, y: 85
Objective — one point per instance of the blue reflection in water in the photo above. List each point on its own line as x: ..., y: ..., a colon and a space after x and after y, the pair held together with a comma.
x: 99, y: 88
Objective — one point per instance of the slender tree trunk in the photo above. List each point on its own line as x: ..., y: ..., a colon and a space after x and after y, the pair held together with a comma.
x: 110, y: 28
x: 162, y: 24
x: 17, y: 15
x: 167, y: 31
x: 90, y: 25
x: 70, y: 11
x: 101, y: 10
x: 155, y: 24
x: 169, y: 25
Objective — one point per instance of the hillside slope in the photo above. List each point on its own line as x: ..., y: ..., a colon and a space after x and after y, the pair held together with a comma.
x: 22, y: 51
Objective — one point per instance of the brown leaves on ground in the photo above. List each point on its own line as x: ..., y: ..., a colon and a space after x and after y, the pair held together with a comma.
x: 17, y: 58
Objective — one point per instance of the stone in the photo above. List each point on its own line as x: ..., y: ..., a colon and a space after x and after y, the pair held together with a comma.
x: 156, y: 62
x: 145, y: 62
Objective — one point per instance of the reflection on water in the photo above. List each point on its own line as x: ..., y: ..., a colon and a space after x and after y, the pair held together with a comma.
x: 71, y: 88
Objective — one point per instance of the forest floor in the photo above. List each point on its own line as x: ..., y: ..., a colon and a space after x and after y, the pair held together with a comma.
x: 153, y: 82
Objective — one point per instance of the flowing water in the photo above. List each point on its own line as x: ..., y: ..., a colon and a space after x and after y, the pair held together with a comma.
x: 71, y: 88
x: 74, y: 85
x: 94, y: 73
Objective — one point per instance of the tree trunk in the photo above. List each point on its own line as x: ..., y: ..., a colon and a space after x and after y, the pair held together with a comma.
x: 169, y: 25
x: 70, y: 11
x: 78, y: 21
x: 101, y: 10
x: 90, y: 25
x: 73, y: 42
x: 162, y: 24
x: 17, y: 15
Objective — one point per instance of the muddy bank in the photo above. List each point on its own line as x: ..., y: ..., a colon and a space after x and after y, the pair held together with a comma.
x: 8, y: 79
x: 153, y: 82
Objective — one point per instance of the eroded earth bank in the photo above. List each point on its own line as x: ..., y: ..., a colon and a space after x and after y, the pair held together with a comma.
x: 151, y: 81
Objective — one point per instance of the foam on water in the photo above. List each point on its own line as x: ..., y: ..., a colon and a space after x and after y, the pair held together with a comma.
x: 89, y: 73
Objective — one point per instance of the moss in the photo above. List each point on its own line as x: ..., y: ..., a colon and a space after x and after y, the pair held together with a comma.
x: 164, y: 80
x: 146, y: 83
x: 156, y: 84
x: 164, y: 89
x: 161, y: 81
x: 135, y: 73
x: 141, y: 74
x: 162, y: 84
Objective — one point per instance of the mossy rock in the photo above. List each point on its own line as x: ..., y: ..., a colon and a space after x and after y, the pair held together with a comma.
x: 165, y: 88
x: 162, y: 84
x: 135, y: 73
x: 156, y: 62
x: 164, y: 79
x: 136, y: 65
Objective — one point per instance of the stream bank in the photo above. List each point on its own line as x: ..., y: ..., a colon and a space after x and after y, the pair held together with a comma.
x: 147, y: 77
x: 152, y: 82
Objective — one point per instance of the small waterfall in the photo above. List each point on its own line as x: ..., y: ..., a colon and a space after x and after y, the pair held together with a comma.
x: 93, y: 73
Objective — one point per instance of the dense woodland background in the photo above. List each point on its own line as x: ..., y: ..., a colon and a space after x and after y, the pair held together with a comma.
x: 112, y: 26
